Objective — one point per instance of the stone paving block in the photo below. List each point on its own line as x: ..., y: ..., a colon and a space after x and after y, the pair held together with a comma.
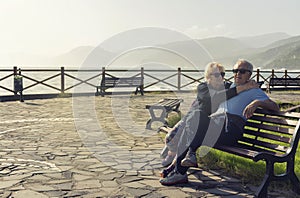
x: 28, y: 193
x: 9, y: 183
x: 173, y: 193
x: 153, y: 183
x: 39, y: 178
x: 134, y: 185
x: 39, y: 187
x: 86, y: 184
x: 138, y: 192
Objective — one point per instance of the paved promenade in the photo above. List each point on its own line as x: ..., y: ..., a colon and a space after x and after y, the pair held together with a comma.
x: 94, y: 147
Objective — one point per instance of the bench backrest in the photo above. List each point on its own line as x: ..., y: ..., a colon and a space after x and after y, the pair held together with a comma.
x: 114, y: 81
x: 284, y: 82
x: 274, y: 132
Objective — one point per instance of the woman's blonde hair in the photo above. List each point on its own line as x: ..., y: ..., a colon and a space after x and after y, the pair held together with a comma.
x: 210, y: 66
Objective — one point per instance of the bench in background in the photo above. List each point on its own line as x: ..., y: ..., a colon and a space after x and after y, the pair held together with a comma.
x: 272, y: 137
x: 111, y: 82
x: 166, y: 106
x: 283, y: 84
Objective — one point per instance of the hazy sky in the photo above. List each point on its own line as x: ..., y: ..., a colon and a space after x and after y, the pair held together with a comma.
x: 53, y: 27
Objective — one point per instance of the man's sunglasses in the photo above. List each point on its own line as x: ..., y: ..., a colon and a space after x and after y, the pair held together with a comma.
x: 218, y: 74
x: 242, y: 71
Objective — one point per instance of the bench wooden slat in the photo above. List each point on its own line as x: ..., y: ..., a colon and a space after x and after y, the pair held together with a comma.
x: 263, y: 144
x: 278, y: 138
x: 282, y: 114
x: 167, y: 103
x: 243, y: 150
x: 278, y: 129
x: 274, y: 120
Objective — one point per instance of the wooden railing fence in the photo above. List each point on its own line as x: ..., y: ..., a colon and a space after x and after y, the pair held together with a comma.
x: 65, y: 79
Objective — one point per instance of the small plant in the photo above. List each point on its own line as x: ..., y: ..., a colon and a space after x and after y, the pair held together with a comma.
x: 173, y: 119
x: 18, y: 77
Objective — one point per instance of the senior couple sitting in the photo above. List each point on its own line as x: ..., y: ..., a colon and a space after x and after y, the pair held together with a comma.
x: 217, y: 116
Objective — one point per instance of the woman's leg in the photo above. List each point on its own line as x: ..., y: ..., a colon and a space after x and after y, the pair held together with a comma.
x: 192, y: 136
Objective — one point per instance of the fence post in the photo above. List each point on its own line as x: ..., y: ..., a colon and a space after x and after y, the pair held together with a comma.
x: 142, y: 76
x: 18, y: 83
x: 257, y: 75
x: 285, y: 73
x: 62, y: 80
x: 15, y: 70
x: 179, y: 79
x: 103, y: 72
x: 273, y: 73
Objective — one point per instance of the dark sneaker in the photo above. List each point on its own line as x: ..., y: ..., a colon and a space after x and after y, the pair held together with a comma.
x: 164, y: 173
x: 174, y: 178
x: 190, y: 160
x: 167, y: 161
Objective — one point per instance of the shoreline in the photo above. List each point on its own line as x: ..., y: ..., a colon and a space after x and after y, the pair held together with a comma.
x: 288, y: 96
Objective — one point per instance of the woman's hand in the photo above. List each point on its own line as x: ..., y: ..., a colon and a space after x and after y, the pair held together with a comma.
x: 249, y: 85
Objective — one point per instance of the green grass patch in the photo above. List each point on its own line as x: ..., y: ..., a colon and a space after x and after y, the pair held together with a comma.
x: 173, y: 119
x: 245, y: 169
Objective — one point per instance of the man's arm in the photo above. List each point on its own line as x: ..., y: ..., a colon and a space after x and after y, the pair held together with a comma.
x: 265, y: 104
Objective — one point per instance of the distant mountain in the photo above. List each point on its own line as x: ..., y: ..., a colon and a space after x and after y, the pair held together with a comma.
x: 281, y: 54
x: 263, y: 40
x: 276, y: 50
x: 282, y: 42
x: 221, y: 47
x: 75, y: 57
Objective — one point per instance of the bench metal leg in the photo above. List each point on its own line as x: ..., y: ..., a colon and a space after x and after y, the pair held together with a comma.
x: 139, y: 89
x: 295, y: 182
x: 290, y: 172
x: 97, y: 92
x: 161, y: 118
x: 21, y: 97
x: 102, y: 92
x: 262, y: 190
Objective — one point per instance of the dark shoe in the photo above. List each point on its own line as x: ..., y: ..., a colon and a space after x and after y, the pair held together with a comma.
x: 190, y: 160
x: 164, y: 173
x: 174, y: 178
x: 167, y: 161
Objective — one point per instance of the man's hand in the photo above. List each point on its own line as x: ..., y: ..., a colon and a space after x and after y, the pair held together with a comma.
x: 265, y: 104
x: 249, y: 110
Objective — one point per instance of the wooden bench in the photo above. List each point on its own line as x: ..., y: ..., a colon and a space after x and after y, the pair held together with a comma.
x: 272, y: 137
x: 111, y: 82
x: 283, y: 83
x: 166, y: 106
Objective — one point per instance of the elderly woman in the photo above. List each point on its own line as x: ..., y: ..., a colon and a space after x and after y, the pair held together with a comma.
x: 209, y: 95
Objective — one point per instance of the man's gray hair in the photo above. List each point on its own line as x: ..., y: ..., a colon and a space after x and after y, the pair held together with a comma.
x: 245, y: 63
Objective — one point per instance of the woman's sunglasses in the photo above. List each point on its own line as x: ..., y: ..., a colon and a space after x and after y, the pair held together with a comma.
x: 218, y: 74
x: 242, y: 71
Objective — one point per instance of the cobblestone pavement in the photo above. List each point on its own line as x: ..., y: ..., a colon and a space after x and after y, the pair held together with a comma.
x: 55, y: 148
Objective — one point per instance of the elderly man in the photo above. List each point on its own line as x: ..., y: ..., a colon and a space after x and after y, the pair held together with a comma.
x: 234, y: 113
